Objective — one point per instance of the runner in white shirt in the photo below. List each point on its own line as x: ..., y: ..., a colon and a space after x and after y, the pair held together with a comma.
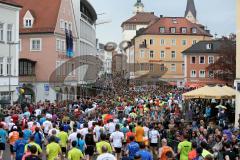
x: 154, y: 136
x: 105, y: 155
x: 73, y: 136
x: 53, y: 128
x: 47, y: 125
x: 117, y: 138
x: 84, y: 130
x: 98, y: 130
x: 111, y: 126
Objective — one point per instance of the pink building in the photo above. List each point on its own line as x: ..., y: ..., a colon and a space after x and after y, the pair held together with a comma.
x: 43, y: 26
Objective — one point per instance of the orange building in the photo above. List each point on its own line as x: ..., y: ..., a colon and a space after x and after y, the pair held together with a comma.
x: 158, y: 47
x: 164, y: 42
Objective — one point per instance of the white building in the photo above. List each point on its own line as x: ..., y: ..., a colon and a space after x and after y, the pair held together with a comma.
x: 139, y: 20
x: 9, y: 47
x: 85, y: 17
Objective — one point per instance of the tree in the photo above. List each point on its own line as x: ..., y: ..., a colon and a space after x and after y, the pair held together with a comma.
x: 224, y: 68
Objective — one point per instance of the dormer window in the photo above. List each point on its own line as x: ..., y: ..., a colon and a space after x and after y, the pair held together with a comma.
x: 194, y: 30
x: 28, y: 23
x: 162, y: 29
x: 28, y: 20
x: 174, y: 20
x: 173, y: 30
x: 184, y: 30
x: 209, y: 46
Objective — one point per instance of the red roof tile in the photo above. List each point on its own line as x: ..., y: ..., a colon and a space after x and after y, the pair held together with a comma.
x: 180, y: 22
x: 11, y: 3
x: 141, y: 18
x: 45, y: 13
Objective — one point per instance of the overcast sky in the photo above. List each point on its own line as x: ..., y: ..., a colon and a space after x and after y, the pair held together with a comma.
x: 218, y: 15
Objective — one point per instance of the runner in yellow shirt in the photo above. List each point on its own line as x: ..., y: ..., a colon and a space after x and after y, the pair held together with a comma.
x: 53, y: 149
x: 74, y: 153
x: 63, y: 136
x: 103, y: 143
x: 184, y: 148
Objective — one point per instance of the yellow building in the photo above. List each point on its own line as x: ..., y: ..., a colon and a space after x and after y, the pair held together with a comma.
x: 159, y: 47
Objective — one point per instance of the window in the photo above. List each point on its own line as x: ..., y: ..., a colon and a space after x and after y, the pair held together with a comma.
x: 173, y: 54
x: 162, y: 29
x: 193, y: 73
x: 184, y: 30
x: 210, y: 74
x: 194, y: 30
x: 194, y: 41
x: 142, y: 53
x: 26, y: 68
x: 174, y: 21
x: 151, y: 54
x: 65, y: 25
x: 9, y: 68
x: 58, y: 45
x: 173, y: 42
x: 173, y: 30
x: 173, y: 67
x: 70, y: 26
x: 201, y: 60
x: 1, y: 32
x: 63, y: 46
x: 184, y: 42
x: 151, y: 41
x: 151, y: 67
x: 36, y: 44
x: 193, y: 60
x: 162, y: 42
x: 162, y: 54
x: 162, y: 67
x: 28, y: 23
x: 62, y: 24
x: 209, y: 46
x: 202, y: 73
x: 183, y: 68
x: 210, y: 59
x: 1, y: 66
x: 9, y: 32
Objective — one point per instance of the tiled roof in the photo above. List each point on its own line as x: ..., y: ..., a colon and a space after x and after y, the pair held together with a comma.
x: 11, y: 3
x: 200, y: 47
x: 176, y: 22
x: 141, y: 18
x: 45, y: 13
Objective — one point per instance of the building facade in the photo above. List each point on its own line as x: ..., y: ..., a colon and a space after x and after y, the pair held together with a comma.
x: 48, y: 40
x: 197, y: 58
x: 159, y: 47
x: 9, y: 46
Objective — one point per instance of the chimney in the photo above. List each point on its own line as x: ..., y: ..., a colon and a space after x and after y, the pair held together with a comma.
x: 161, y: 16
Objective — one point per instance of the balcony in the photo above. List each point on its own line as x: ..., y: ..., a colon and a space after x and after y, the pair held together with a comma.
x: 27, y: 78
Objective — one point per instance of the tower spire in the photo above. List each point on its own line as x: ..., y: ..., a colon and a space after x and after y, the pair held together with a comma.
x: 191, y: 13
x: 138, y: 7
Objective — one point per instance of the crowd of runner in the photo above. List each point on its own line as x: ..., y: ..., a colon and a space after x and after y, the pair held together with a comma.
x: 137, y: 127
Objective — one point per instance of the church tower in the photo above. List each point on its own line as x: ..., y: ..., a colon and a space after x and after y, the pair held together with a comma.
x: 138, y: 7
x: 191, y: 13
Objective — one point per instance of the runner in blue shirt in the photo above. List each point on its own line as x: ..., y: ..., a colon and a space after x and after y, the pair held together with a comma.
x: 3, y: 139
x: 26, y: 133
x: 145, y: 155
x: 19, y: 146
x: 133, y: 148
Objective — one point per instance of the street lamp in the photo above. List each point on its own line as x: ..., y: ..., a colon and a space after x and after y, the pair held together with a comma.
x: 10, y: 44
